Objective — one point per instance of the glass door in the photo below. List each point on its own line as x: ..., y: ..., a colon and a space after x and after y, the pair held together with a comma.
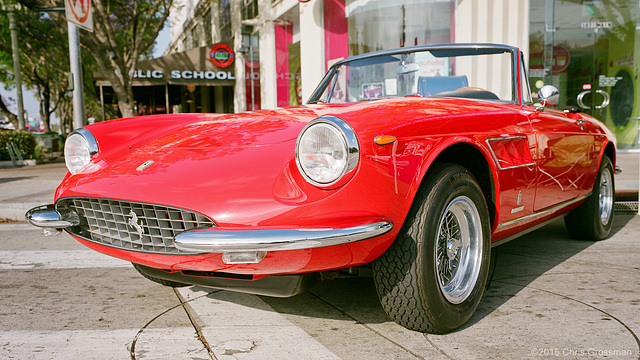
x: 590, y: 50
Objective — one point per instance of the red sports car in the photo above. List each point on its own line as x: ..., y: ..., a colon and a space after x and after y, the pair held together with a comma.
x: 414, y: 162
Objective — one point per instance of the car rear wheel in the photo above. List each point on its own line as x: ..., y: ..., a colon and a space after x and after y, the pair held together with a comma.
x: 158, y: 280
x: 593, y: 219
x: 432, y: 277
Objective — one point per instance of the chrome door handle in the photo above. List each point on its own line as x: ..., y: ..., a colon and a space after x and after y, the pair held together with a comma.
x: 580, y: 101
x: 605, y: 101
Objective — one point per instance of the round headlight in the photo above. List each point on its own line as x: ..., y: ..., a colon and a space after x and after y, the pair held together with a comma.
x: 326, y: 150
x: 78, y: 149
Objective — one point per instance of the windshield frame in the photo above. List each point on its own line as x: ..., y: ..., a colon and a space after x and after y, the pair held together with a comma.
x: 456, y: 49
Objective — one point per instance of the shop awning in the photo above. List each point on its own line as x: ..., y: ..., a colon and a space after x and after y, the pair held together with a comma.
x: 191, y: 67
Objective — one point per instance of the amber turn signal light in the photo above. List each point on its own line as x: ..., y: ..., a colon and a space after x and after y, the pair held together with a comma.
x: 384, y: 139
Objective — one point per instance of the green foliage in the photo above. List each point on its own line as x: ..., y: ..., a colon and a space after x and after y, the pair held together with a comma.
x: 44, y: 59
x: 24, y: 141
x: 124, y: 32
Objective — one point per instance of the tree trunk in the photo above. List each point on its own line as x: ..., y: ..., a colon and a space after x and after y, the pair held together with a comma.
x: 13, y: 118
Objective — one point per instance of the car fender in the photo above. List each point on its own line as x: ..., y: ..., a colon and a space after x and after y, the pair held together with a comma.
x: 439, y: 153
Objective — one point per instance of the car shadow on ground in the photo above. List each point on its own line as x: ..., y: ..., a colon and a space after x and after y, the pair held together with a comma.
x: 520, y: 262
x: 524, y: 259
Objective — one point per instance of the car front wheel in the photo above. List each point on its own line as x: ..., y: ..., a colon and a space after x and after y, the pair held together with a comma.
x: 432, y: 277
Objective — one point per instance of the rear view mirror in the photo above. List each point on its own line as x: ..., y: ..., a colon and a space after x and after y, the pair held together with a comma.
x: 404, y: 69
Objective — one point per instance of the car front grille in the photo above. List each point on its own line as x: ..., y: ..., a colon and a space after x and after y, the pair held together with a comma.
x: 132, y: 225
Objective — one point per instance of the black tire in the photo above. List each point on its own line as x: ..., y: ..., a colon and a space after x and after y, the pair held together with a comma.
x: 412, y: 289
x: 158, y: 280
x: 593, y: 219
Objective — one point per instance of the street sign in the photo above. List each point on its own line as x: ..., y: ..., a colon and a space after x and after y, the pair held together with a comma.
x: 80, y: 12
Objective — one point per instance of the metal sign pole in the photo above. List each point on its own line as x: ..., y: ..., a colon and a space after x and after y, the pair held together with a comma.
x: 76, y: 70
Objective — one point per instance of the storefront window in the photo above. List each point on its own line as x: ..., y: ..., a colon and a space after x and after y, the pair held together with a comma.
x: 252, y: 69
x: 194, y: 37
x: 206, y: 20
x: 225, y: 20
x: 287, y: 35
x: 590, y: 50
x: 378, y: 25
x: 249, y: 9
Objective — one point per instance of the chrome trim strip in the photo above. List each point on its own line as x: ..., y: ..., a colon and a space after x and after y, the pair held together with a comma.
x: 221, y: 240
x: 524, y: 232
x: 517, y: 209
x: 543, y: 212
x: 46, y: 216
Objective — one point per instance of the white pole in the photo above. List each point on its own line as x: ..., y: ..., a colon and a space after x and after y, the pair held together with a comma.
x: 76, y: 70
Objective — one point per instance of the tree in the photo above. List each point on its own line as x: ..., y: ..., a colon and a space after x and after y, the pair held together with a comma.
x: 44, y: 59
x: 124, y: 30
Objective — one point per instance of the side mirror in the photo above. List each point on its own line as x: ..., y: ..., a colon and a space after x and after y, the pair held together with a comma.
x: 548, y: 95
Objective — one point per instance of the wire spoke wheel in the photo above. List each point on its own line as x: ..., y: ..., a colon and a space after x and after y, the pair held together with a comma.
x: 433, y: 276
x: 459, y: 251
x: 605, y: 196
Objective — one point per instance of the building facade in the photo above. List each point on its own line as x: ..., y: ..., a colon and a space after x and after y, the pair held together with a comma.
x: 588, y: 49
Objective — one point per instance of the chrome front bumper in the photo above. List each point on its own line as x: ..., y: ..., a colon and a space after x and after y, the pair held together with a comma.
x: 219, y: 240
x: 222, y: 240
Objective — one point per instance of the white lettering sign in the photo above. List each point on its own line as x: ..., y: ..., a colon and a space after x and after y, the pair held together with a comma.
x: 184, y: 74
x: 604, y: 81
x: 596, y: 25
x: 149, y: 74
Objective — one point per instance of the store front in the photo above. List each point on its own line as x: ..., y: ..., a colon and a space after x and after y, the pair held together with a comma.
x: 199, y: 80
x: 348, y: 28
x: 590, y: 50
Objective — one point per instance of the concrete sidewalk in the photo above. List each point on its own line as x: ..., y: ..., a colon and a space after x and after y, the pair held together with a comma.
x: 29, y: 186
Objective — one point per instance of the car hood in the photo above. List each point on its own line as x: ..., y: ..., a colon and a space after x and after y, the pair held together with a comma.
x: 224, y: 166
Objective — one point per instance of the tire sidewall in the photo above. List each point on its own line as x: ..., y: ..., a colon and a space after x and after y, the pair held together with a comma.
x: 458, y: 183
x: 602, y: 230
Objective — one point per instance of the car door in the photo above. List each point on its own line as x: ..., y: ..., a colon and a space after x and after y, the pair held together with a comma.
x: 566, y: 155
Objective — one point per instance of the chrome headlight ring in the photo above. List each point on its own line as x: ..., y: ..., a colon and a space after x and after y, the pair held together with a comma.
x: 79, y: 147
x: 327, y: 149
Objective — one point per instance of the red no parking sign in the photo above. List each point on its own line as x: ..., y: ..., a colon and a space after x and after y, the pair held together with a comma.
x: 80, y: 13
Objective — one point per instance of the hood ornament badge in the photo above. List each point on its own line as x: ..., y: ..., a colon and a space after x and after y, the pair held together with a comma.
x: 133, y: 222
x: 145, y: 165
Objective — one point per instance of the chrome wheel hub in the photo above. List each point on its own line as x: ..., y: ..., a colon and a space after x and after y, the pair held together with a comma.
x: 605, y: 196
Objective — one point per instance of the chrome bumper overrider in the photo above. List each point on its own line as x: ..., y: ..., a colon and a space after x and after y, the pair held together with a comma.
x: 224, y: 240
x: 220, y: 240
x: 47, y: 216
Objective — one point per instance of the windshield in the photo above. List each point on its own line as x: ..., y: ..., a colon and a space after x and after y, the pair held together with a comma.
x: 467, y: 72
